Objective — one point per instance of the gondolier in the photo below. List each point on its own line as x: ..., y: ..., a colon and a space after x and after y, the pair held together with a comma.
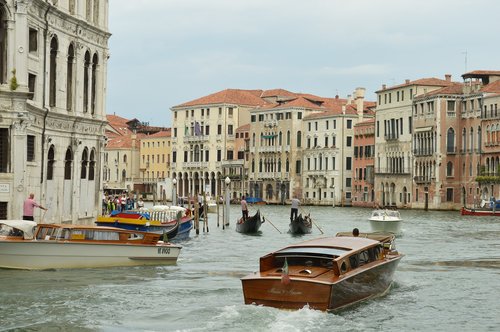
x: 244, y: 208
x: 29, y: 207
x: 295, y: 209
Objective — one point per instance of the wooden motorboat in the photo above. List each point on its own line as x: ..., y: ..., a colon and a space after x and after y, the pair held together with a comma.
x: 55, y: 246
x: 325, y: 274
x: 479, y: 212
x: 250, y: 225
x: 301, y: 225
x: 385, y: 220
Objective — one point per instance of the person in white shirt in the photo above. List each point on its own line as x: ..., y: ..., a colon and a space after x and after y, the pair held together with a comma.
x: 295, y: 209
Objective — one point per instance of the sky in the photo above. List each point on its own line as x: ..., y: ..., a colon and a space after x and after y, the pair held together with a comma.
x: 168, y: 52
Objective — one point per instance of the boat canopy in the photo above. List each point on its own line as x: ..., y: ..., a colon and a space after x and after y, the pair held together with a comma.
x: 26, y: 226
x: 314, y: 251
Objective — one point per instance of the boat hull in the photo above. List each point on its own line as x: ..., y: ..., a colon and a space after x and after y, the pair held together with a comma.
x: 298, y: 226
x: 386, y: 226
x: 251, y: 225
x: 330, y: 293
x: 478, y: 212
x: 40, y: 254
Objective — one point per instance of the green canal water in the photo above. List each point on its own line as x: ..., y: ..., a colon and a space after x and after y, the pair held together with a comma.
x: 449, y: 280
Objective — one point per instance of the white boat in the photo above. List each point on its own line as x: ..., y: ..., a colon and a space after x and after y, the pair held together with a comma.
x: 56, y: 246
x: 385, y: 220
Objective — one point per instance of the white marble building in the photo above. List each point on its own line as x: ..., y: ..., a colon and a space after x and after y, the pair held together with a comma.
x: 53, y: 59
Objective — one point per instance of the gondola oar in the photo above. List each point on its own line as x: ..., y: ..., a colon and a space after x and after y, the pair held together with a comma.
x: 309, y: 213
x: 271, y: 224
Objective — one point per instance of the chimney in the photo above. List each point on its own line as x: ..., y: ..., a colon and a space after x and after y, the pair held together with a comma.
x: 447, y: 77
x: 359, y: 97
x: 349, y: 99
x: 384, y: 86
x: 343, y: 109
x: 407, y: 81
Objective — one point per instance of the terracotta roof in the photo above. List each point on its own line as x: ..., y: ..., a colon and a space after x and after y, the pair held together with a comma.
x: 118, y: 124
x: 492, y: 87
x: 243, y: 128
x: 164, y: 133
x: 454, y: 89
x: 123, y: 142
x: 476, y: 73
x: 229, y: 96
x: 432, y: 81
x: 368, y: 122
x: 277, y: 93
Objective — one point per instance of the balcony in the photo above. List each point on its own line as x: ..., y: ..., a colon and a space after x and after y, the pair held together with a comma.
x: 421, y: 179
x: 390, y: 171
x: 423, y: 152
x: 195, y: 164
x: 233, y: 163
x: 196, y: 139
x: 391, y: 137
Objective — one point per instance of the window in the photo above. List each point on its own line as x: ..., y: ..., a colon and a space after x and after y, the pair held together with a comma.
x: 299, y: 115
x: 299, y: 139
x: 86, y: 67
x: 31, y: 85
x: 50, y: 163
x: 85, y: 160
x: 297, y: 167
x: 53, y: 71
x: 349, y: 141
x: 348, y: 163
x: 33, y: 40
x: 252, y: 118
x: 349, y: 124
x: 68, y: 163
x: 219, y: 155
x: 449, y: 194
x: 451, y: 106
x: 93, y: 84
x: 69, y: 78
x: 219, y: 129
x: 449, y: 169
x: 230, y: 129
x: 450, y: 141
x: 30, y: 148
x: 92, y: 166
x: 4, y: 150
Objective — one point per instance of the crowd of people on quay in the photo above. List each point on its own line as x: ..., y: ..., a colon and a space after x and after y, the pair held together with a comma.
x: 120, y: 202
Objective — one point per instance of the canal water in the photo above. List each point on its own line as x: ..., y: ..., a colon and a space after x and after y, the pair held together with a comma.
x: 449, y: 280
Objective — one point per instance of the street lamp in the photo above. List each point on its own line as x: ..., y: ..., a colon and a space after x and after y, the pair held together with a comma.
x: 174, y: 194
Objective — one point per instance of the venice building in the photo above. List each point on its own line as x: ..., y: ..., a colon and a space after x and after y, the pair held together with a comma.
x: 53, y: 60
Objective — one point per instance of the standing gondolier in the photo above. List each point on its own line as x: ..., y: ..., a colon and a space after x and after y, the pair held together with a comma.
x: 244, y: 208
x: 295, y: 209
x: 29, y: 207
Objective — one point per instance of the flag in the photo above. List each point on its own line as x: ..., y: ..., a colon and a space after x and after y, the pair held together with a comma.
x: 197, y: 129
x: 285, y: 278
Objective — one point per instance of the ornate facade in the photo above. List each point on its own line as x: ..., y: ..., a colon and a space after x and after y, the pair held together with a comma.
x: 53, y: 60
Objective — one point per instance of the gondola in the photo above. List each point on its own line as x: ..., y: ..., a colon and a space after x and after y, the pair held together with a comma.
x: 250, y: 225
x: 301, y: 225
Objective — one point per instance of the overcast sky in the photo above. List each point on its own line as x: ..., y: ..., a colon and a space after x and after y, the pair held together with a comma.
x: 167, y: 52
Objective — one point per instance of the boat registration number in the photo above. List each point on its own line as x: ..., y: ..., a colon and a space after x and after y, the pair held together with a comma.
x: 163, y: 251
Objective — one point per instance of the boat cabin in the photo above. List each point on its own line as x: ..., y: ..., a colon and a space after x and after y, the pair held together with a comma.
x: 21, y: 229
x: 57, y: 232
x: 313, y: 258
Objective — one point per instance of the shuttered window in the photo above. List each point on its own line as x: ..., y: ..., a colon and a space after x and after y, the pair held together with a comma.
x: 30, y: 148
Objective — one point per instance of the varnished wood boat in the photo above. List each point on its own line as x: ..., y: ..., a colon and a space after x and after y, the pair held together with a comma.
x: 301, y: 225
x: 55, y: 246
x: 250, y: 225
x: 326, y: 273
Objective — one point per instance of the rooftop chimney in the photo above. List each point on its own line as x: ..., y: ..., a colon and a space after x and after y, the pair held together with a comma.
x: 407, y: 81
x: 384, y: 86
x: 447, y: 77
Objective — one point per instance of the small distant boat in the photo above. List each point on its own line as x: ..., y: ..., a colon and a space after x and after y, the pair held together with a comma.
x: 58, y: 246
x: 250, y: 225
x: 486, y: 209
x: 255, y: 200
x: 326, y: 274
x: 301, y: 225
x: 385, y: 220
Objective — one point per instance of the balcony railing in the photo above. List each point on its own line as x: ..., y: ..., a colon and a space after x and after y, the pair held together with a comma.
x: 391, y: 137
x: 199, y: 138
x: 422, y: 179
x: 390, y: 171
x: 423, y: 152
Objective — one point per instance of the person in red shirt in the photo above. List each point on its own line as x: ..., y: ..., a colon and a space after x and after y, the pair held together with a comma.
x: 29, y: 207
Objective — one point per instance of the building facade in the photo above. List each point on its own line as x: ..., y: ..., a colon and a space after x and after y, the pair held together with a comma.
x: 363, y: 164
x: 53, y: 60
x: 393, y: 140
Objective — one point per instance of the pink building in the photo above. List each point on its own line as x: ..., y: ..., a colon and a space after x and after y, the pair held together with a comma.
x: 363, y: 164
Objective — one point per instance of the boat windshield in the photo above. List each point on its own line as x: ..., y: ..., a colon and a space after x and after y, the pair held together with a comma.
x: 312, y: 251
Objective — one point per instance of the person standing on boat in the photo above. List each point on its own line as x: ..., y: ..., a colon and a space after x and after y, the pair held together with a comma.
x: 244, y: 208
x: 29, y: 207
x: 295, y: 209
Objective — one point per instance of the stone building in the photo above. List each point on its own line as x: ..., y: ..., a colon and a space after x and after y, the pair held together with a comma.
x: 393, y: 139
x: 203, y: 138
x: 53, y: 64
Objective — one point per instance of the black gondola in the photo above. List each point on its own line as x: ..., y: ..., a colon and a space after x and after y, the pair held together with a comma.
x: 301, y: 225
x: 250, y: 225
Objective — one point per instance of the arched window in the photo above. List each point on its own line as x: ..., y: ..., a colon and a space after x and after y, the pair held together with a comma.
x: 471, y: 139
x: 69, y: 78
x: 253, y: 139
x: 68, y: 163
x: 92, y: 165
x: 287, y: 166
x: 50, y: 163
x: 253, y: 165
x: 464, y: 139
x: 86, y: 82
x: 54, y: 45
x: 280, y: 138
x: 85, y: 160
x: 479, y: 140
x: 124, y: 175
x: 125, y: 158
x: 288, y: 137
x: 450, y: 140
x: 94, y: 80
x: 449, y: 169
x: 299, y: 139
x: 3, y: 45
